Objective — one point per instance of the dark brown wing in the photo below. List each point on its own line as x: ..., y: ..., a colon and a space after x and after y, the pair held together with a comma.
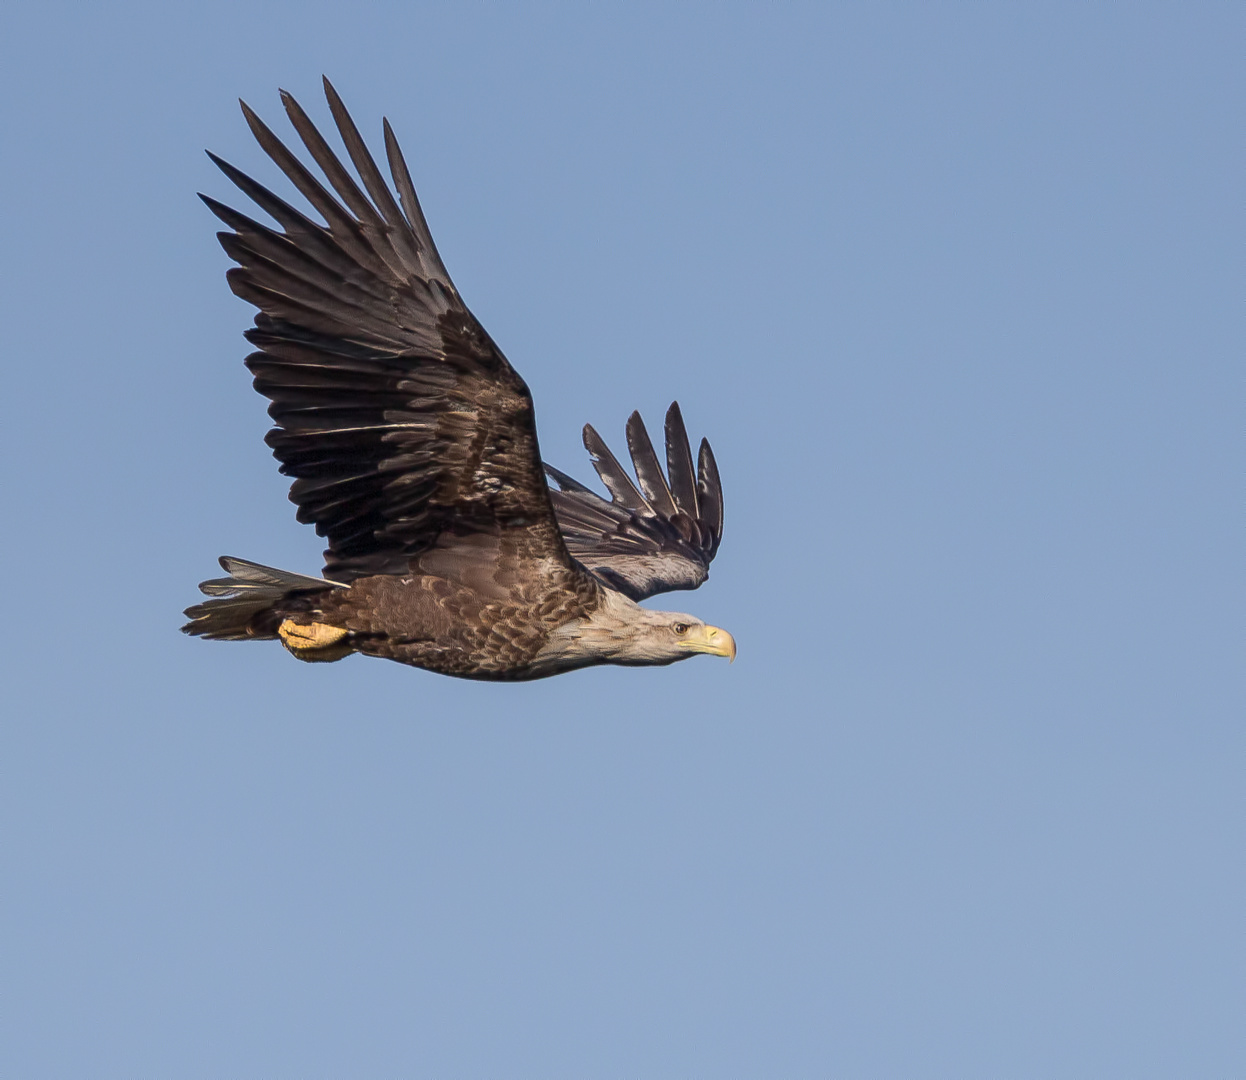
x: 396, y: 414
x: 649, y: 539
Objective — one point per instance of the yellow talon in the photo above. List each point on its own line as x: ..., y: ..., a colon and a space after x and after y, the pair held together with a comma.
x: 317, y: 635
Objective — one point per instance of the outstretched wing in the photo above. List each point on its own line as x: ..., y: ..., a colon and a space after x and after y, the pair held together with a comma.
x: 649, y: 539
x: 399, y: 418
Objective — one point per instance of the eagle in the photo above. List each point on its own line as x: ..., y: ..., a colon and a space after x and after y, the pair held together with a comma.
x: 412, y: 442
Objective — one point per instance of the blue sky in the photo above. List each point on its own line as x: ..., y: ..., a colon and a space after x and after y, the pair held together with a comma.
x: 954, y: 290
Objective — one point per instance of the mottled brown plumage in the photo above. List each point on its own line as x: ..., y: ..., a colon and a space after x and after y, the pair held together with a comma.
x: 413, y: 447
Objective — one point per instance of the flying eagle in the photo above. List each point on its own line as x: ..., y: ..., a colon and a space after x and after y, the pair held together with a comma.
x: 412, y: 443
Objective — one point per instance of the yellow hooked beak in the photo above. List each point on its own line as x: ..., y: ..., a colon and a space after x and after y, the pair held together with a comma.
x: 710, y: 639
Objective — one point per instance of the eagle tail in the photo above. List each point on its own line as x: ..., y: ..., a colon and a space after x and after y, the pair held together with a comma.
x: 244, y: 604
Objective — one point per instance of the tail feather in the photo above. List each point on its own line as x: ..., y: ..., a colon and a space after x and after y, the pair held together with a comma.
x: 249, y: 591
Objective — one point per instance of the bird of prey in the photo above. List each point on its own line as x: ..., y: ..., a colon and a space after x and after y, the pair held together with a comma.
x: 413, y: 447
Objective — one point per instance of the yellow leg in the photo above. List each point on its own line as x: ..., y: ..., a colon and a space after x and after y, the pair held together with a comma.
x: 301, y: 636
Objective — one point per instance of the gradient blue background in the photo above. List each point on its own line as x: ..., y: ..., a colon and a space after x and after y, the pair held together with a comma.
x: 955, y: 292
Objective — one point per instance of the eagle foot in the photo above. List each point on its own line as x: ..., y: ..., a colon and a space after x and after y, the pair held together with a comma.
x: 301, y: 637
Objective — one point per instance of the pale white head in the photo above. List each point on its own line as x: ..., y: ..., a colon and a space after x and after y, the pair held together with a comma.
x: 622, y: 632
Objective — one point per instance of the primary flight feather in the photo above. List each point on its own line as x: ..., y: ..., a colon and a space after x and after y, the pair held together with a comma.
x: 413, y: 446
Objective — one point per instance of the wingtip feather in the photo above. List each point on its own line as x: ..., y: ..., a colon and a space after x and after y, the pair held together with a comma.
x: 648, y: 471
x: 679, y: 464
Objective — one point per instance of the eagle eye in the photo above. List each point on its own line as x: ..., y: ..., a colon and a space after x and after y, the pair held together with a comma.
x: 680, y: 628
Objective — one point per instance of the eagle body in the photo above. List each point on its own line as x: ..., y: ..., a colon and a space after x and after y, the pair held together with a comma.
x: 412, y: 445
x: 476, y: 624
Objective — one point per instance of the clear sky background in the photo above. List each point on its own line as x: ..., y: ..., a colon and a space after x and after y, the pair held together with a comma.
x: 954, y: 291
